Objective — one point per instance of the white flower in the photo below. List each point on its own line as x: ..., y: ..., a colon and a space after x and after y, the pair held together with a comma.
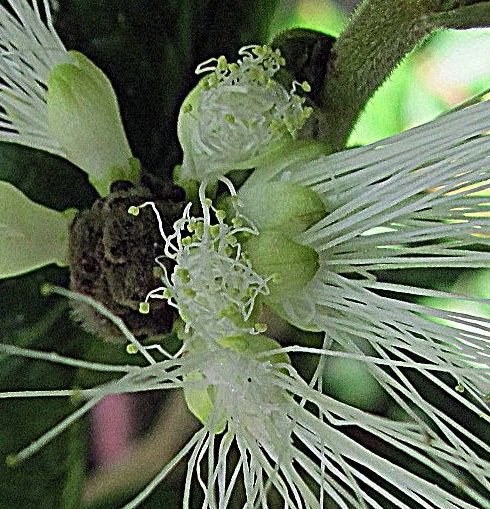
x: 402, y: 203
x: 290, y: 439
x: 57, y: 100
x: 405, y: 202
x: 238, y: 115
x: 212, y: 285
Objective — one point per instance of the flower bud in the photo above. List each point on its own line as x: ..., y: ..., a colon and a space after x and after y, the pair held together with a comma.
x: 239, y: 115
x: 83, y: 115
x: 290, y: 265
x: 292, y: 210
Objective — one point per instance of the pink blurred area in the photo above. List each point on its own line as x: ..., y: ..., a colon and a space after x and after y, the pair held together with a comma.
x: 112, y: 424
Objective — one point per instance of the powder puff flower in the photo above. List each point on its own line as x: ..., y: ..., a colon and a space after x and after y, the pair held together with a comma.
x: 410, y: 201
x: 406, y: 202
x: 289, y: 437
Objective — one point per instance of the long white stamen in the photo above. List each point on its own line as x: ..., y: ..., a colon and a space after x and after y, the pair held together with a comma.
x: 212, y: 284
x: 104, y: 312
x: 67, y: 361
x: 28, y: 51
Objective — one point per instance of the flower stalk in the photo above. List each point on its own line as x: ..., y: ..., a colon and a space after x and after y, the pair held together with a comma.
x: 380, y: 34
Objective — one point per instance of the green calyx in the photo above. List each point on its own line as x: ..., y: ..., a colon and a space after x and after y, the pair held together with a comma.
x: 83, y: 115
x: 251, y: 346
x: 281, y: 206
x: 290, y: 265
x: 31, y: 235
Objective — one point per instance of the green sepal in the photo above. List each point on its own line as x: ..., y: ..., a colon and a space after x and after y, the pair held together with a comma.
x: 281, y: 206
x: 251, y: 345
x: 200, y: 401
x: 31, y: 235
x: 83, y: 116
x: 291, y: 265
x: 190, y: 186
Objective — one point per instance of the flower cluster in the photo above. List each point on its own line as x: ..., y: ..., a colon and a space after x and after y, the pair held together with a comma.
x: 213, y: 285
x: 316, y: 257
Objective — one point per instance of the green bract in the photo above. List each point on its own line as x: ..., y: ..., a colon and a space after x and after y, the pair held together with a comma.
x: 238, y: 116
x: 31, y: 235
x: 83, y: 115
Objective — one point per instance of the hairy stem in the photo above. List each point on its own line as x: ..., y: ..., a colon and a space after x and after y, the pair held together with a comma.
x: 378, y: 37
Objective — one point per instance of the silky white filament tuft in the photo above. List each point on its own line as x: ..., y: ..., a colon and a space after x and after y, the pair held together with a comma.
x: 29, y: 50
x: 238, y: 114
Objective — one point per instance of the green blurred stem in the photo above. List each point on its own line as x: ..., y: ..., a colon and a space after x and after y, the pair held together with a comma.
x: 469, y: 16
x: 378, y: 37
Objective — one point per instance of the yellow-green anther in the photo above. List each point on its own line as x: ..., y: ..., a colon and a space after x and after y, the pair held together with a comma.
x: 31, y: 235
x: 214, y: 230
x: 220, y: 215
x: 131, y: 349
x: 83, y: 115
x: 260, y: 327
x: 144, y: 308
x: 183, y: 275
x: 189, y: 292
x: 46, y: 289
x: 273, y: 252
